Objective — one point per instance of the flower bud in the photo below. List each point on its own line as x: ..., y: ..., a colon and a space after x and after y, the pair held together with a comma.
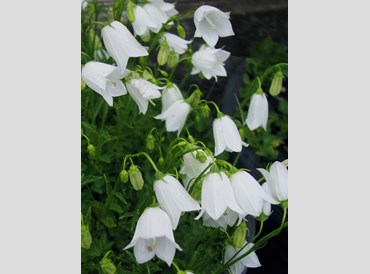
x: 162, y: 56
x: 86, y: 239
x: 196, y: 191
x: 123, y: 176
x: 197, y: 119
x: 239, y: 235
x: 91, y: 151
x: 130, y: 11
x: 201, y: 157
x: 150, y: 142
x: 173, y: 58
x: 146, y: 37
x: 161, y: 161
x: 242, y: 134
x: 204, y: 111
x: 136, y: 178
x: 107, y: 266
x: 181, y: 31
x: 276, y: 84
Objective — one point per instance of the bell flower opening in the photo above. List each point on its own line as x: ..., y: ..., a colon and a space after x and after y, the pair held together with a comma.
x: 104, y: 79
x: 154, y: 237
x: 211, y: 23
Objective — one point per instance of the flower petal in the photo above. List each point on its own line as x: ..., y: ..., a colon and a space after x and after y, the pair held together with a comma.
x: 165, y: 250
x: 218, y: 134
x: 143, y: 251
x: 233, y: 140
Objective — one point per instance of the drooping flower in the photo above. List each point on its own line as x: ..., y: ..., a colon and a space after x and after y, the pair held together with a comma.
x: 167, y: 8
x: 143, y: 21
x: 266, y: 205
x: 121, y: 44
x: 251, y: 260
x: 180, y: 46
x: 249, y: 194
x: 277, y: 180
x: 157, y: 16
x: 212, y: 23
x: 258, y: 111
x: 229, y: 218
x: 175, y: 116
x: 142, y: 91
x: 210, y: 62
x: 192, y: 167
x: 173, y: 198
x: 154, y: 237
x: 217, y: 196
x: 84, y: 4
x: 170, y: 95
x: 104, y: 79
x: 226, y: 136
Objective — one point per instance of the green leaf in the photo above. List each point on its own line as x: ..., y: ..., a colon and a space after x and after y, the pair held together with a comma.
x: 108, y: 222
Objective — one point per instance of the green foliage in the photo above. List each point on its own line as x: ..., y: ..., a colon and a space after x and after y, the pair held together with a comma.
x: 267, y: 57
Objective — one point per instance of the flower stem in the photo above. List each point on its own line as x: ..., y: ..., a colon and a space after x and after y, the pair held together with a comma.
x: 140, y: 154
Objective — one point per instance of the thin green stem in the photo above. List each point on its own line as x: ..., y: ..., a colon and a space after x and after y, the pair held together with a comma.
x: 141, y: 154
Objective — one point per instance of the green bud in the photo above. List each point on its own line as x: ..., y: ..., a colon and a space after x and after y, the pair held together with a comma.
x: 86, y: 239
x: 130, y: 11
x: 91, y: 151
x: 173, y: 58
x: 239, y: 235
x: 194, y: 98
x: 182, y: 143
x: 181, y: 31
x: 163, y: 52
x: 136, y: 178
x: 107, y: 266
x: 123, y: 176
x: 197, y: 119
x: 276, y: 84
x: 201, y: 157
x: 204, y: 111
x: 241, y: 133
x: 146, y: 37
x: 196, y: 191
x: 83, y: 84
x: 284, y: 204
x: 161, y: 161
x: 150, y: 142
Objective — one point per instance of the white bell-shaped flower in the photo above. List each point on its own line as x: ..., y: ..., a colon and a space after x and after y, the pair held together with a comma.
x: 251, y: 260
x: 173, y: 198
x: 143, y: 21
x: 170, y: 95
x: 229, y: 218
x: 142, y: 91
x: 266, y: 205
x: 104, y: 79
x: 154, y: 237
x: 175, y: 116
x: 249, y: 194
x: 179, y: 45
x: 192, y: 167
x: 210, y: 62
x: 217, y: 196
x: 156, y: 16
x: 167, y: 8
x: 258, y: 111
x: 121, y: 44
x: 277, y: 180
x: 226, y: 135
x: 212, y: 23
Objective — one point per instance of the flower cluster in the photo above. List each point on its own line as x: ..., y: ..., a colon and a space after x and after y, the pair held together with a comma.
x: 189, y: 177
